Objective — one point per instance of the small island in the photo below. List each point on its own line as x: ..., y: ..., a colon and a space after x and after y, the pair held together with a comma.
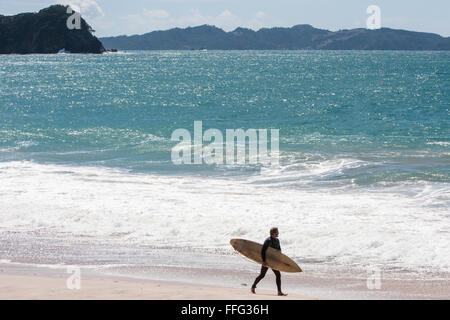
x: 46, y: 32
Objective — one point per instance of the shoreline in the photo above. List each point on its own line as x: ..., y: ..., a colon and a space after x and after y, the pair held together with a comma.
x: 22, y: 281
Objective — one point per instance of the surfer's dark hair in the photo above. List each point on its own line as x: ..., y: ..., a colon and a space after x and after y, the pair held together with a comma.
x: 273, y: 231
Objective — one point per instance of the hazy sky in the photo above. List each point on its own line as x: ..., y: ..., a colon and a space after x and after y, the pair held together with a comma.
x: 115, y: 17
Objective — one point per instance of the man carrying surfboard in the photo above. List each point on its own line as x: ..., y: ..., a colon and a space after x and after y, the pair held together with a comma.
x: 272, y: 242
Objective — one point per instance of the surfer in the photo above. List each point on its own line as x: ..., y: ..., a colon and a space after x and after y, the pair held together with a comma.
x: 272, y: 242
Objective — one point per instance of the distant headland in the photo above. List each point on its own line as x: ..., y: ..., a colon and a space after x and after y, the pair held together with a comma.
x: 299, y: 37
x: 46, y: 32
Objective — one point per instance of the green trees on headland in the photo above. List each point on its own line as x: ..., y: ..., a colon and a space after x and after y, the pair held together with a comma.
x: 46, y: 32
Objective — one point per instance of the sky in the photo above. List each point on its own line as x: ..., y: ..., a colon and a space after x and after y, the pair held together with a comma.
x: 119, y: 17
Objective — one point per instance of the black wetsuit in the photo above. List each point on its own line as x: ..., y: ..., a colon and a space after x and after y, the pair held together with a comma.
x: 273, y: 243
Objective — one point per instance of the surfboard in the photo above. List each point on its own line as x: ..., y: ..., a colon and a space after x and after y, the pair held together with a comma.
x: 274, y: 258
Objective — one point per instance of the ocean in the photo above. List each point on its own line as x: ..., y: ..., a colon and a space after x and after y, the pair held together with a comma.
x: 364, y: 153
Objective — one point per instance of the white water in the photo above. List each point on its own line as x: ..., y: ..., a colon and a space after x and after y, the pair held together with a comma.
x: 406, y: 226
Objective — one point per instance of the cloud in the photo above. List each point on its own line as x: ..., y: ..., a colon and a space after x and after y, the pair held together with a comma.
x: 88, y: 8
x: 226, y: 20
x: 260, y: 20
x: 226, y: 15
x: 155, y: 14
x: 260, y: 15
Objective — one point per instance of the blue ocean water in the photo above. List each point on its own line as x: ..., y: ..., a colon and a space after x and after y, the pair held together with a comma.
x: 351, y: 124
x: 120, y: 110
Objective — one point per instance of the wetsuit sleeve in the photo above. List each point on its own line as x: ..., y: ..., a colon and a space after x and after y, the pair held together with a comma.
x: 264, y: 249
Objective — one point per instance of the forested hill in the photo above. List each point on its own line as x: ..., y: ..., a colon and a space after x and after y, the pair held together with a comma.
x: 45, y: 32
x: 297, y: 37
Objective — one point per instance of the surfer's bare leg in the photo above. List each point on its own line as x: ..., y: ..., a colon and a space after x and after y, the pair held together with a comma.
x: 259, y: 278
x: 278, y: 280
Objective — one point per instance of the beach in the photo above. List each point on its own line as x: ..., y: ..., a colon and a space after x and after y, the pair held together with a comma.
x: 118, y: 271
x: 32, y: 284
x: 46, y: 283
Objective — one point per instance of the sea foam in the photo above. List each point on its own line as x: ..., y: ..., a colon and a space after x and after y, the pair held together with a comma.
x: 385, y: 226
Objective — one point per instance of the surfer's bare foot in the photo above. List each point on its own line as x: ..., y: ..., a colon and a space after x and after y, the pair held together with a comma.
x: 252, y: 290
x: 282, y: 294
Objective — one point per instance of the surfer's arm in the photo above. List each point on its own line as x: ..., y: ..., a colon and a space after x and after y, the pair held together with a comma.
x: 264, y: 249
